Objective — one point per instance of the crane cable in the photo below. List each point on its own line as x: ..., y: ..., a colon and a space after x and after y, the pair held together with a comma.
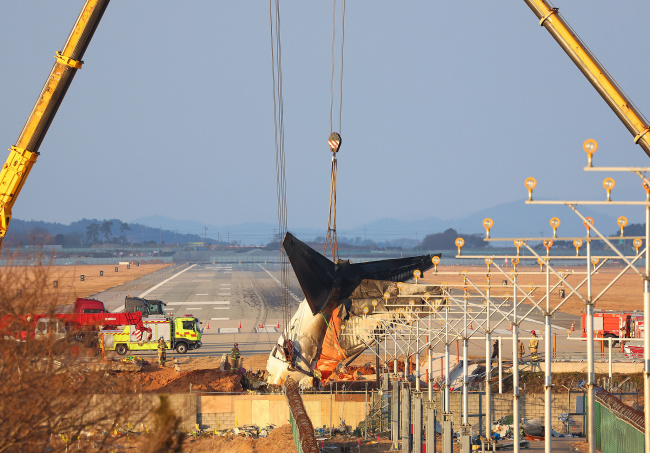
x: 335, y: 137
x: 278, y: 121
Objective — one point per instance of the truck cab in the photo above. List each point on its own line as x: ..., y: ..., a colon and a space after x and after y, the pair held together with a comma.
x: 146, y: 306
x: 187, y: 333
x: 87, y: 306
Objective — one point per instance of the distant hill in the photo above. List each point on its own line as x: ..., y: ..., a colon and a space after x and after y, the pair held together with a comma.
x: 514, y: 219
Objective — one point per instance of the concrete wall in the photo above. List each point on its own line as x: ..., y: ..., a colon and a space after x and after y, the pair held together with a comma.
x: 227, y: 411
x: 530, y: 406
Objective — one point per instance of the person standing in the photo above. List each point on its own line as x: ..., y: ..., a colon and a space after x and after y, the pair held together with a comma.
x: 533, y: 345
x: 162, y: 351
x: 495, y: 349
x: 522, y: 350
x: 234, y: 358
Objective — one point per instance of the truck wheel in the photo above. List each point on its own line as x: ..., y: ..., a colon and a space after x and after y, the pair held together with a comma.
x: 121, y: 349
x: 614, y: 343
x: 181, y: 348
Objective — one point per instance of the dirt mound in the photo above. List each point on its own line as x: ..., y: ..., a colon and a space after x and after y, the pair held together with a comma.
x: 202, y: 381
x: 156, y: 379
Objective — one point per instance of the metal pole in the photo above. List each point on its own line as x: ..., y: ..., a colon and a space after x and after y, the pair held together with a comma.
x: 417, y: 423
x: 646, y: 335
x: 430, y: 428
x: 465, y: 368
x: 488, y: 369
x: 465, y: 431
x: 406, y: 419
x: 547, y: 365
x: 394, y: 411
x: 591, y: 400
x: 417, y: 356
x: 395, y: 356
x: 447, y: 369
x: 515, y: 366
x: 500, y: 365
x: 430, y: 360
x: 366, y: 434
x: 447, y: 424
x: 610, y: 359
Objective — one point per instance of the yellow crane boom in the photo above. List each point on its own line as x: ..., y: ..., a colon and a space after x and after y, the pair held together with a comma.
x: 550, y: 18
x: 23, y: 154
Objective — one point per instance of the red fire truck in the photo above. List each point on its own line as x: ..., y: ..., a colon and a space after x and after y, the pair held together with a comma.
x: 615, y: 324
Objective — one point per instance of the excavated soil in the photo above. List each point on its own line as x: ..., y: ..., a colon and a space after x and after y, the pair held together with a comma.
x: 203, y: 376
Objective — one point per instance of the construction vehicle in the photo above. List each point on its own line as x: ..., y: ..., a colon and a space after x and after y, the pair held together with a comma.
x: 70, y: 330
x: 148, y: 307
x: 83, y: 305
x: 181, y: 334
x: 550, y: 18
x: 615, y: 324
x: 24, y: 152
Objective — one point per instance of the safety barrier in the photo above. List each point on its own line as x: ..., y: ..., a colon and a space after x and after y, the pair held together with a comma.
x: 619, y: 428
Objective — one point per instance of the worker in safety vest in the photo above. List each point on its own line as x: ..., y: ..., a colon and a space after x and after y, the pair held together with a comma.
x: 162, y: 351
x: 533, y: 345
x: 234, y: 358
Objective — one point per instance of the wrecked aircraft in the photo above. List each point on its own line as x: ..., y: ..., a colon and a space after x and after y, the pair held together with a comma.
x: 346, y: 306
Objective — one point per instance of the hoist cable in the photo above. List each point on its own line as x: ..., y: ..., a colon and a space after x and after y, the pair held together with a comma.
x: 278, y: 121
x: 340, y: 81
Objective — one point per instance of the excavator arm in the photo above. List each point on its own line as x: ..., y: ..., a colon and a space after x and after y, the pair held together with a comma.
x: 23, y: 154
x: 550, y: 18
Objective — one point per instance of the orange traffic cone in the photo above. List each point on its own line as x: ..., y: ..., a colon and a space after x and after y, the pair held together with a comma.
x: 573, y: 327
x: 470, y: 326
x: 261, y: 325
x: 278, y: 325
x: 239, y: 324
x: 510, y: 326
x: 207, y: 325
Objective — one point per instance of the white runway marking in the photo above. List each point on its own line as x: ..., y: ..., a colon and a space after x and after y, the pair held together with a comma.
x: 153, y: 288
x: 228, y: 330
x: 224, y: 294
x: 202, y: 294
x: 193, y: 308
x: 219, y: 319
x: 280, y: 284
x: 214, y: 302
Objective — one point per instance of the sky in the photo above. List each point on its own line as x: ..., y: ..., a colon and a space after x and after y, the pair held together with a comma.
x: 447, y: 108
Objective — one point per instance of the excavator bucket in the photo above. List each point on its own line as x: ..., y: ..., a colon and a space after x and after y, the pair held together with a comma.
x: 320, y: 278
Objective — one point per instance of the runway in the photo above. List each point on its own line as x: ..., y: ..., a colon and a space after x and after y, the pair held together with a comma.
x: 224, y: 295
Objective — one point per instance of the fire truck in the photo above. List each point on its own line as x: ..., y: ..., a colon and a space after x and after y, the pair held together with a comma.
x: 615, y: 324
x: 182, y: 333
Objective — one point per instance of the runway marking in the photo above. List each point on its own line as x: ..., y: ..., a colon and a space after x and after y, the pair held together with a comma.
x: 202, y: 294
x: 226, y: 284
x: 214, y: 302
x: 224, y: 294
x: 219, y: 319
x: 153, y: 288
x: 280, y: 284
x: 228, y: 330
x: 193, y: 308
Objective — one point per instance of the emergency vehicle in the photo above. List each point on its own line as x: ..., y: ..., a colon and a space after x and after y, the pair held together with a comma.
x: 615, y: 324
x: 181, y: 333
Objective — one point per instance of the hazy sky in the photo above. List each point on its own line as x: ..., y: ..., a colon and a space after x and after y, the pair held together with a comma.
x: 447, y: 108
